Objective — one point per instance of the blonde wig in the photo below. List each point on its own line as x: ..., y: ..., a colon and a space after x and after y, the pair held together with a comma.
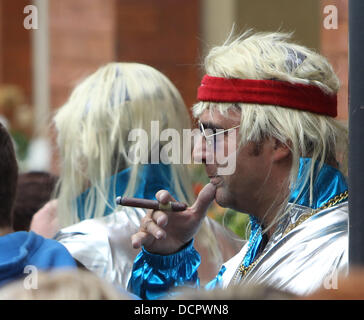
x: 264, y: 56
x: 93, y: 129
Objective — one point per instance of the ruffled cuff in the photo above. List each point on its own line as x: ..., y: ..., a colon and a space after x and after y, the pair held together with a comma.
x: 153, y: 274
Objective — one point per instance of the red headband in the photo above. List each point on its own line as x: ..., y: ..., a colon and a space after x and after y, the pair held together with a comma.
x: 281, y: 93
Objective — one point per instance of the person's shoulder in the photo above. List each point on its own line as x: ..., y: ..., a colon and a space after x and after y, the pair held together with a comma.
x: 83, y: 228
x: 338, y: 214
x: 121, y: 217
x: 125, y: 216
x: 45, y: 243
x: 49, y: 252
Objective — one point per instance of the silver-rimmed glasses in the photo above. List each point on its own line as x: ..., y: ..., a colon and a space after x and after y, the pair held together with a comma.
x: 215, y: 132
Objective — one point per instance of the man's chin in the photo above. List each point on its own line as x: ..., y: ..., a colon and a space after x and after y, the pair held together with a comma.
x: 221, y: 198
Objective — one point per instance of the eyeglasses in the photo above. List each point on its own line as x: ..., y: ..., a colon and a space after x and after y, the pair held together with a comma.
x: 215, y: 132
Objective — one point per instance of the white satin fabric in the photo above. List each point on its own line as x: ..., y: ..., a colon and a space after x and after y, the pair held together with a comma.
x: 103, y: 245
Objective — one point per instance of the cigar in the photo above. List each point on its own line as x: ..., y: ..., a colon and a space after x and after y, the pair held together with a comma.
x: 150, y: 204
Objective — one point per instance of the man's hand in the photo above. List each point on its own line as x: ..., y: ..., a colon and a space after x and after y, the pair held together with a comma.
x: 45, y: 221
x: 167, y: 232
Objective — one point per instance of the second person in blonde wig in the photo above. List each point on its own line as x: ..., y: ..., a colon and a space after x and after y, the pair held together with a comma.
x: 95, y: 146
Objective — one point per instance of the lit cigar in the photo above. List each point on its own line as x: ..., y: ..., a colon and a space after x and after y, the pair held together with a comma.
x: 150, y: 204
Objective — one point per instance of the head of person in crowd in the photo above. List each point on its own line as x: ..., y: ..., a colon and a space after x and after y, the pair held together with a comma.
x: 279, y: 98
x: 34, y: 190
x: 119, y: 134
x: 110, y: 144
x: 8, y: 180
x: 233, y: 292
x: 62, y: 285
x: 19, y: 250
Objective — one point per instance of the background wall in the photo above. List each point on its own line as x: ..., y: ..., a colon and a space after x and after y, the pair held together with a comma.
x: 164, y: 34
x: 86, y: 34
x: 15, y: 47
x: 334, y: 46
x: 302, y: 17
x: 82, y: 38
x: 171, y: 35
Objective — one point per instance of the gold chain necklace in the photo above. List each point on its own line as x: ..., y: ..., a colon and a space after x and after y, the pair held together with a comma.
x: 243, y: 270
x: 328, y: 204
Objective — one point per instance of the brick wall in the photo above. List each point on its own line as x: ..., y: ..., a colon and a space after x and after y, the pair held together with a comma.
x: 82, y: 37
x: 334, y: 46
x: 85, y: 34
x: 164, y: 34
x: 15, y: 57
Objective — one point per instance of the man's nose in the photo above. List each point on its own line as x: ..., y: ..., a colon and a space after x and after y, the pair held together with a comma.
x: 202, y: 151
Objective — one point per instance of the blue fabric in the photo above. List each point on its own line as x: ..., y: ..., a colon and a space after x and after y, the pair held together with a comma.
x: 254, y: 241
x: 154, y: 274
x: 329, y: 182
x: 149, y: 278
x: 20, y: 249
x: 151, y: 179
x: 216, y: 283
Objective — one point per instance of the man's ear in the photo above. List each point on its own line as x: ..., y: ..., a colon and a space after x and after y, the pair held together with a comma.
x: 281, y: 150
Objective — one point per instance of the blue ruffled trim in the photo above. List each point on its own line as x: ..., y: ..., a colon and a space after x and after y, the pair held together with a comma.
x: 254, y: 242
x: 153, y: 275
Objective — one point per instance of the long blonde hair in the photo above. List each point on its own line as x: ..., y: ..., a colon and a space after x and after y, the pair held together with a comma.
x: 272, y: 56
x: 93, y: 128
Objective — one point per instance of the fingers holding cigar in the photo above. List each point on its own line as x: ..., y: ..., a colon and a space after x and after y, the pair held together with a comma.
x: 161, y: 217
x: 164, y: 197
x: 153, y: 224
x: 140, y: 239
x: 167, y: 231
x: 150, y: 224
x: 151, y: 229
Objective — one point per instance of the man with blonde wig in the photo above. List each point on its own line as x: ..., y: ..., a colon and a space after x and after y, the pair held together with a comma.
x: 279, y: 99
x: 108, y: 133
